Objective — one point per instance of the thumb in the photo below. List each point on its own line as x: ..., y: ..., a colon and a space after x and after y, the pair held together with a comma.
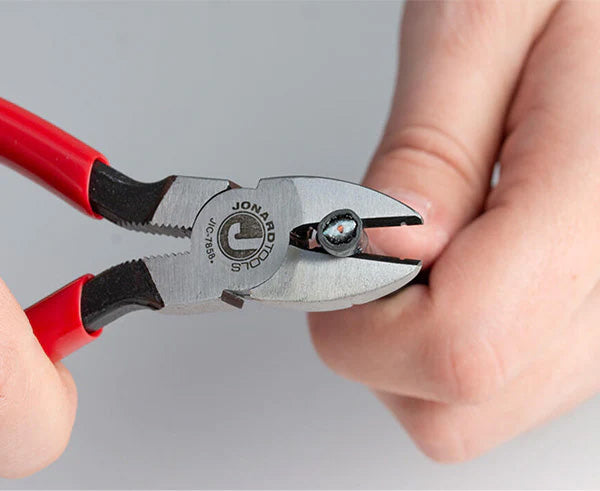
x: 37, y: 398
x: 459, y: 64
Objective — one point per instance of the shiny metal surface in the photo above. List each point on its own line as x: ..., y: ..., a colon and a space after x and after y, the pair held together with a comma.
x: 186, y: 196
x: 241, y: 246
x: 313, y: 281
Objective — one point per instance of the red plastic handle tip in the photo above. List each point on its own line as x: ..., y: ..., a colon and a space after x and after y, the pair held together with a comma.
x: 56, y: 321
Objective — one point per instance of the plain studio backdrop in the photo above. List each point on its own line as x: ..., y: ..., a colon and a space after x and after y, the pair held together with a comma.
x: 240, y: 91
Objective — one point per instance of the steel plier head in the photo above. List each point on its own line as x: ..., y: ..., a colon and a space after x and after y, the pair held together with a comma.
x: 296, y: 242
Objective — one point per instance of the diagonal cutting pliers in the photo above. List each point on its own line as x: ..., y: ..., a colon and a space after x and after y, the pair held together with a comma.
x: 291, y: 241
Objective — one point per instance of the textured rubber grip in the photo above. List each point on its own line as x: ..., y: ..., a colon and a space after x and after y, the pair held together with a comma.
x: 57, y: 323
x: 47, y: 154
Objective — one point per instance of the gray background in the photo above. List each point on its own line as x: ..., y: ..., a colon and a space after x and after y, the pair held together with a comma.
x: 234, y: 400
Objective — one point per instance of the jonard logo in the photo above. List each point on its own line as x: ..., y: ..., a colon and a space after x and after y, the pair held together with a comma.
x: 246, y: 236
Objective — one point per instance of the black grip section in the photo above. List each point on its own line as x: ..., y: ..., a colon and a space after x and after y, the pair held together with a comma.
x: 123, y: 200
x: 117, y: 291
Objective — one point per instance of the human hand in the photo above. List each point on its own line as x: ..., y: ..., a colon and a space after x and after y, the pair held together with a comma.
x: 37, y: 398
x: 505, y: 335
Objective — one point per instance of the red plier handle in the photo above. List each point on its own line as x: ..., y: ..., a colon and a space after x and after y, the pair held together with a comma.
x: 63, y: 164
x: 73, y: 316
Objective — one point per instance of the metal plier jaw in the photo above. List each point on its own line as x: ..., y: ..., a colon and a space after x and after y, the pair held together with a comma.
x: 291, y: 241
x: 244, y: 245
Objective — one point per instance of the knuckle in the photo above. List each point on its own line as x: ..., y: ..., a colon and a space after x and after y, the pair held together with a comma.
x: 437, y: 434
x: 342, y: 339
x: 430, y: 148
x: 325, y: 341
x: 468, y: 368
